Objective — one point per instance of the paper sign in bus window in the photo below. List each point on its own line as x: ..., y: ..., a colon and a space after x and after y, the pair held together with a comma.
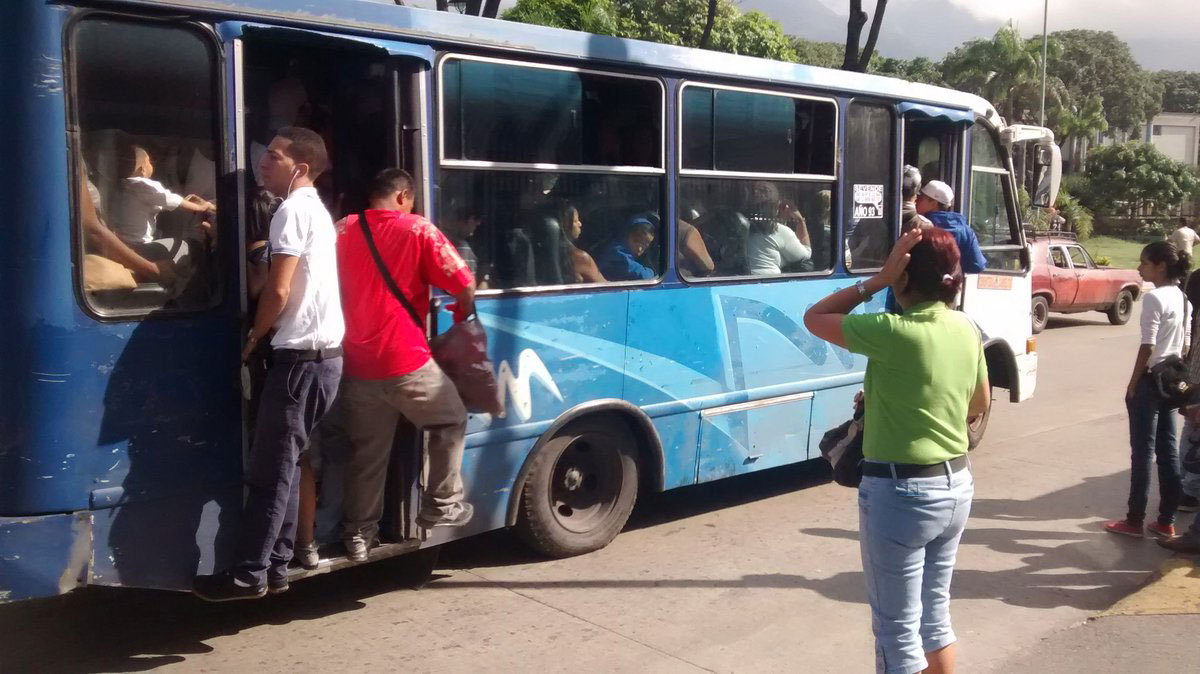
x: 868, y: 201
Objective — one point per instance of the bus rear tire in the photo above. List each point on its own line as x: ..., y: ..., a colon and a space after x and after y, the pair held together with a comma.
x: 580, y: 489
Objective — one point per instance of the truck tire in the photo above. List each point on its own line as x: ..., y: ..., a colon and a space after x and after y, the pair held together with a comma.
x: 1122, y: 309
x: 580, y: 489
x: 1040, y: 311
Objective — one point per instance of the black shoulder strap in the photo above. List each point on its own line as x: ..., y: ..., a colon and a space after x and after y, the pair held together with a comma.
x: 387, y: 276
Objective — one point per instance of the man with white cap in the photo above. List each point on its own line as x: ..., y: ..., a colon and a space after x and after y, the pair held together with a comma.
x: 934, y: 203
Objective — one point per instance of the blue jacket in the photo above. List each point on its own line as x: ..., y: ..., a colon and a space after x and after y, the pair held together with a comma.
x: 973, y: 261
x: 617, y: 263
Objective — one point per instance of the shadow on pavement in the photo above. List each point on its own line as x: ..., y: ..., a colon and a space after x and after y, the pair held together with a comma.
x: 1059, y: 321
x: 123, y: 630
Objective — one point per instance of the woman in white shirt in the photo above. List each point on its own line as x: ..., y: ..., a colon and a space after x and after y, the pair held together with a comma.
x: 1152, y: 421
x: 772, y: 245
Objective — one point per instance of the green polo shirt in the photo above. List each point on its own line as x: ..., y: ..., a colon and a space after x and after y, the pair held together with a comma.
x: 922, y: 369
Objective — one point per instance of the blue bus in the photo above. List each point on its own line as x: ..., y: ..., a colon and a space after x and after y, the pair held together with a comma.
x: 756, y: 187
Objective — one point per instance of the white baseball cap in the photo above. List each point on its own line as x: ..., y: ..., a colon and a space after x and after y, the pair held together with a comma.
x: 939, y: 192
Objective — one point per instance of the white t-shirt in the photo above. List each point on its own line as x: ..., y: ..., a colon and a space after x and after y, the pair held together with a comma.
x: 1163, y: 323
x: 135, y: 210
x: 1184, y: 238
x: 312, y: 317
x: 766, y: 254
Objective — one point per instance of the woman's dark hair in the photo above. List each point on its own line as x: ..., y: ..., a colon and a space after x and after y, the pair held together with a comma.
x: 933, y: 270
x: 1165, y: 252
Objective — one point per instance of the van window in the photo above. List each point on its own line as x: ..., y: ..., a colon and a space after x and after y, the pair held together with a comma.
x: 146, y: 109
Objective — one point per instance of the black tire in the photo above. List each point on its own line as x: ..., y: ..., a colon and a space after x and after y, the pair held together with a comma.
x: 580, y: 489
x: 976, y: 430
x: 1040, y: 311
x: 1122, y: 309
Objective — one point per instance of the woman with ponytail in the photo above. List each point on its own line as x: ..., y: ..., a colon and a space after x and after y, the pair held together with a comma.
x: 926, y: 374
x: 1152, y: 421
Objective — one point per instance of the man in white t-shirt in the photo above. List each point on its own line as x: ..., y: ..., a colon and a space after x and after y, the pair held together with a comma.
x: 302, y: 304
x: 1184, y: 238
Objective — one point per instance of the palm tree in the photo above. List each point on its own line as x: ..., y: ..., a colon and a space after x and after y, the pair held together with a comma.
x: 1075, y: 125
x: 1006, y: 70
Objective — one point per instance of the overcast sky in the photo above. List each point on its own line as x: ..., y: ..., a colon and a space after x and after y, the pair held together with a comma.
x: 1164, y: 34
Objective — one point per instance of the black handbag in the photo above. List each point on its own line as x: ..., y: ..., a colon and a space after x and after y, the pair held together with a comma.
x: 461, y: 351
x: 842, y: 447
x: 1171, y: 380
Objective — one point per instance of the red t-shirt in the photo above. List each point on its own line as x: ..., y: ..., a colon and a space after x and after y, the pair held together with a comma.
x: 381, y: 339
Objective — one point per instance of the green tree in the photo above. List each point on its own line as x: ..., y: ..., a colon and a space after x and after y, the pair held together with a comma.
x: 589, y: 16
x: 919, y: 69
x: 1075, y: 125
x: 1181, y: 90
x: 1006, y: 70
x: 823, y: 54
x: 678, y: 22
x: 1136, y: 178
x: 1098, y: 63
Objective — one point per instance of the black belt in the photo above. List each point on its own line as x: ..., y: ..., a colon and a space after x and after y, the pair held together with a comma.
x: 907, y: 470
x: 311, y: 354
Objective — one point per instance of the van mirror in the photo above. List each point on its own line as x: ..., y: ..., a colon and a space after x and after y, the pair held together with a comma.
x: 1047, y: 174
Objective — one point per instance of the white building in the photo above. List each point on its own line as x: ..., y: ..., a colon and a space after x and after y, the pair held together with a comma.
x: 1177, y: 135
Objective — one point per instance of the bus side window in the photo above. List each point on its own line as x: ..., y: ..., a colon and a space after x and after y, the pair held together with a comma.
x: 774, y: 222
x: 870, y: 215
x: 992, y: 200
x: 146, y: 174
x: 551, y: 176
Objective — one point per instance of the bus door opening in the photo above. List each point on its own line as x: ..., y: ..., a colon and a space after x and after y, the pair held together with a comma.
x: 932, y: 145
x: 366, y: 106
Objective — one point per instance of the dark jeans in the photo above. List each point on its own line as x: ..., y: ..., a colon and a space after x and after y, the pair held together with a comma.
x: 294, y: 397
x: 1152, y: 432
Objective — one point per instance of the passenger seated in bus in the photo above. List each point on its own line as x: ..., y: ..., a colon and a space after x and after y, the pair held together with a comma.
x: 140, y: 199
x: 102, y: 241
x: 692, y: 256
x: 934, y: 203
x: 771, y: 245
x: 619, y: 259
x: 459, y: 223
x: 582, y: 267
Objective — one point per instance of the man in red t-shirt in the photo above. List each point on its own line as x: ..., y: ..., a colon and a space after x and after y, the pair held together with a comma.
x: 389, y: 369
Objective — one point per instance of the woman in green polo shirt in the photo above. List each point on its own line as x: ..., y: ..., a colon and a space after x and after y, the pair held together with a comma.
x: 926, y: 375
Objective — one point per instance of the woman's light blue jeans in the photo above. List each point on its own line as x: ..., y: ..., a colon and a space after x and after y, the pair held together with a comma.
x: 909, y: 531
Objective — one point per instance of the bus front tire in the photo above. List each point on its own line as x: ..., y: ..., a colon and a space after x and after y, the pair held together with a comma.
x: 977, y: 427
x: 580, y: 489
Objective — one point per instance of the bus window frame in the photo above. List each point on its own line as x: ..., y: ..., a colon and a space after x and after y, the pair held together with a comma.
x: 897, y: 165
x: 666, y: 227
x: 221, y: 97
x: 681, y: 173
x: 1010, y: 193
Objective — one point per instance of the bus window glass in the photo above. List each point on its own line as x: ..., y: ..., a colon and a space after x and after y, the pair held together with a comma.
x: 753, y: 227
x: 991, y: 200
x: 506, y: 113
x: 146, y: 110
x: 757, y: 132
x: 870, y: 191
x: 528, y: 225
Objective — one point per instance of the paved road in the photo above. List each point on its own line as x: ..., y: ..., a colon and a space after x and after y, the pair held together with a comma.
x: 753, y: 574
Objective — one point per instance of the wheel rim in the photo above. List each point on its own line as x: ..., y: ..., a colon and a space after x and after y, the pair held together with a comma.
x: 1040, y: 313
x: 585, y: 485
x: 1123, y: 305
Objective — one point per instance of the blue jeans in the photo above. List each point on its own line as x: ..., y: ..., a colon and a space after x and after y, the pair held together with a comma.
x: 294, y: 397
x: 908, y: 532
x: 1152, y: 433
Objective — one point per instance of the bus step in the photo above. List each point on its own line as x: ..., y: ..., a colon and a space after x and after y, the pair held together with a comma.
x: 338, y: 562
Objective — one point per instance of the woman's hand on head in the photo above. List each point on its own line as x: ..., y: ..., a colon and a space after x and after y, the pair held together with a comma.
x: 897, y: 260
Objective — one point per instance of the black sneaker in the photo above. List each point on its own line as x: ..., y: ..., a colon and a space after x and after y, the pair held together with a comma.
x: 277, y: 585
x: 1188, y: 544
x: 1188, y: 504
x: 224, y: 586
x: 457, y: 519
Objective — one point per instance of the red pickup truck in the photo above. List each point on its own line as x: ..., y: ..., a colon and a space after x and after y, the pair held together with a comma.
x: 1066, y: 280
